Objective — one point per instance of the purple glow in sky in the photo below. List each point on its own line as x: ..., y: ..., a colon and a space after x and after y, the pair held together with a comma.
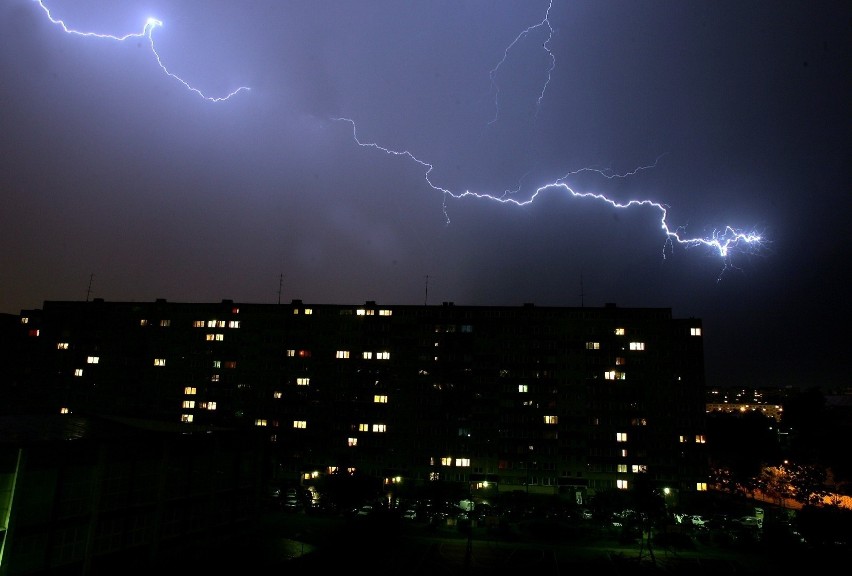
x: 704, y: 120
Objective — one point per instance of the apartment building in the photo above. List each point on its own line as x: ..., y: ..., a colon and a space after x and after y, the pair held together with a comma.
x: 545, y: 400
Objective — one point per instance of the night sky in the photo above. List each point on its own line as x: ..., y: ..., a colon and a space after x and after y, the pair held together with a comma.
x: 116, y: 176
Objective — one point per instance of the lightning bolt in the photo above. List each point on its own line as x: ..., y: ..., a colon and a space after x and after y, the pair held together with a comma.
x: 723, y: 241
x: 147, y: 32
x: 545, y: 22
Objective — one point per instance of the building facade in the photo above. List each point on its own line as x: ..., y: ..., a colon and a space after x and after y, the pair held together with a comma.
x: 546, y: 400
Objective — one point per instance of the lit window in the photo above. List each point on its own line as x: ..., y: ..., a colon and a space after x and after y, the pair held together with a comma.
x: 621, y: 484
x: 363, y: 427
x: 260, y: 422
x: 217, y: 363
x: 637, y: 345
x: 300, y: 424
x: 624, y: 453
x: 351, y: 441
x: 64, y: 410
x: 446, y: 461
x: 621, y: 436
x: 621, y: 468
x: 291, y: 353
x: 303, y: 381
x: 220, y: 323
x: 186, y: 418
x: 639, y: 468
x: 681, y: 438
x: 463, y: 462
x: 78, y: 371
x: 233, y: 323
x: 93, y: 359
x: 211, y: 323
x: 190, y: 390
x: 34, y: 332
x: 143, y: 322
x: 385, y: 312
x: 220, y: 337
x: 615, y: 375
x: 188, y: 404
x: 214, y: 378
x: 699, y: 439
x: 593, y: 345
x: 235, y: 310
x: 277, y: 394
x: 342, y: 354
x: 619, y: 361
x: 211, y: 406
x: 309, y: 311
x: 165, y: 323
x: 198, y: 324
x: 383, y: 355
x: 523, y: 388
x: 25, y: 320
x: 695, y: 331
x: 367, y: 355
x: 551, y: 419
x: 231, y: 364
x: 364, y: 312
x: 304, y: 353
x: 62, y: 345
x: 380, y: 399
x: 380, y: 427
x: 620, y: 331
x: 159, y: 361
x: 701, y: 486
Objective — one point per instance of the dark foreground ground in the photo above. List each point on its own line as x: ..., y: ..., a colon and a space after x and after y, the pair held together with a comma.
x: 297, y: 543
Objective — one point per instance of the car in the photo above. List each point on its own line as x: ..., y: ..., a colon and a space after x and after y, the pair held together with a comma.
x: 410, y: 514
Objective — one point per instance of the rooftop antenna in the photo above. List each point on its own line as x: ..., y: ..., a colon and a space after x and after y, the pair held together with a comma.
x: 426, y: 297
x: 280, y: 282
x: 89, y: 289
x: 582, y: 293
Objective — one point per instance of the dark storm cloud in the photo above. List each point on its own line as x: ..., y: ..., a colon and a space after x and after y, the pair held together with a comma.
x: 109, y: 167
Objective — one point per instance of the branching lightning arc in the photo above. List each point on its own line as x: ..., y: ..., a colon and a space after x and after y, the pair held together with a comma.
x: 147, y: 32
x: 722, y: 241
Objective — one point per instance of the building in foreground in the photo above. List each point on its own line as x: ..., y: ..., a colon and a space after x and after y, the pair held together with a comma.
x: 546, y: 400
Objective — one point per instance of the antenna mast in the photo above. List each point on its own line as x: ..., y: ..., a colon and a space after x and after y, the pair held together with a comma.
x: 280, y: 283
x: 426, y: 296
x: 89, y: 289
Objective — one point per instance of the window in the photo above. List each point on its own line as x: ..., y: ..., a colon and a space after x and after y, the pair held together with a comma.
x: 93, y: 359
x: 620, y: 331
x: 351, y: 441
x: 637, y: 345
x: 300, y: 424
x: 159, y: 361
x: 190, y: 390
x: 198, y: 324
x: 639, y: 468
x: 211, y: 406
x: 235, y: 310
x: 380, y: 428
x: 593, y: 345
x: 621, y: 468
x: 621, y: 484
x: 342, y: 354
x: 463, y: 462
x: 233, y: 323
x: 363, y: 427
x: 701, y: 486
x: 385, y: 312
x: 446, y: 461
x: 309, y: 311
x: 380, y: 399
x: 291, y: 353
x: 277, y: 394
x: 143, y: 322
x: 367, y: 355
x: 62, y: 345
x: 231, y: 364
x: 64, y: 410
x: 619, y: 361
x: 615, y: 375
x: 383, y: 355
x: 165, y: 323
x: 260, y: 422
x: 188, y: 404
x: 215, y: 337
x: 699, y: 439
x: 303, y: 381
x: 78, y: 371
x: 25, y: 320
x: 551, y: 419
x: 523, y: 388
x: 214, y: 378
x: 621, y: 436
x: 304, y: 353
x: 217, y: 363
x: 187, y: 418
x: 695, y: 331
x: 364, y: 312
x: 34, y: 332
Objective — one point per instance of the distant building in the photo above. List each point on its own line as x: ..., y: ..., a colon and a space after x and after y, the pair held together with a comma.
x: 546, y: 400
